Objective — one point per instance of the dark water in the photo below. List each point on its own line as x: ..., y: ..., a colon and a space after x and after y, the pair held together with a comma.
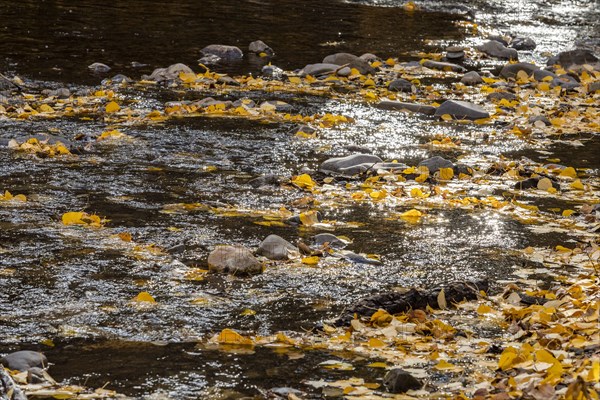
x: 74, y: 285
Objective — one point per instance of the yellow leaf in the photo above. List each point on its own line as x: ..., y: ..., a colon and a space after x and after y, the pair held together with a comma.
x: 73, y: 218
x: 380, y: 317
x: 441, y: 300
x: 391, y: 62
x: 374, y: 342
x: 422, y: 178
x: 369, y: 82
x: 446, y: 174
x: 569, y: 172
x: 229, y: 336
x: 295, y: 80
x: 562, y: 249
x: 309, y: 218
x: 46, y: 108
x: 125, y: 236
x: 376, y: 64
x: 20, y: 197
x: 507, y: 358
x: 354, y: 71
x: 248, y: 311
x: 577, y: 185
x: 377, y: 365
x: 443, y: 364
x: 144, y: 297
x: 544, y: 87
x: 112, y: 107
x: 411, y: 214
x: 567, y: 213
x: 447, y: 117
x: 313, y: 260
x: 304, y: 181
x: 484, y: 309
x: 522, y: 77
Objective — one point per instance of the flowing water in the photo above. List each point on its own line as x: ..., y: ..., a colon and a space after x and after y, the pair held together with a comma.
x: 75, y: 287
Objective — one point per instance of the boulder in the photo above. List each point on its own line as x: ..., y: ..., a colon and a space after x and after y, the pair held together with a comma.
x: 511, y: 70
x: 498, y: 38
x: 319, y: 69
x: 349, y: 165
x: 272, y: 71
x: 351, y: 61
x: 461, y: 110
x: 258, y: 47
x: 398, y: 380
x: 444, y: 66
x: 566, y: 82
x: 169, y: 73
x: 573, y: 57
x: 434, y: 164
x: 471, y: 78
x: 235, y: 260
x: 401, y: 106
x: 401, y: 85
x: 99, y: 67
x: 498, y: 50
x: 225, y: 53
x: 523, y: 43
x: 276, y: 248
x: 23, y: 360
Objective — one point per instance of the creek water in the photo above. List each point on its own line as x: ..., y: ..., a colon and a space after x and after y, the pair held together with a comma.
x: 74, y: 287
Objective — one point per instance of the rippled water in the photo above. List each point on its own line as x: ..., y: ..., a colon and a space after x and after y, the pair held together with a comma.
x: 74, y: 286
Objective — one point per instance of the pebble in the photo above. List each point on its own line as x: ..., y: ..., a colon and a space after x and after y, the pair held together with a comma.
x: 471, y: 78
x: 258, y: 46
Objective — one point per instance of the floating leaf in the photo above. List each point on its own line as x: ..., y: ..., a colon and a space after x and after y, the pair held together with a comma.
x: 304, y: 181
x: 569, y: 172
x: 112, y: 107
x: 144, y: 297
x: 313, y: 260
x: 229, y: 336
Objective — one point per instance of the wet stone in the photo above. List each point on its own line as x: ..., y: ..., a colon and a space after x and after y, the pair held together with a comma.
x: 272, y: 71
x: 119, y: 78
x: 461, y: 110
x: 542, y: 118
x: 278, y: 105
x: 399, y: 381
x: 60, y: 93
x: 593, y: 87
x: 523, y: 43
x: 573, y: 57
x: 471, y: 78
x: 455, y: 53
x: 99, y: 67
x: 236, y: 260
x: 169, y: 73
x: 511, y: 70
x: 227, y: 80
x: 23, y: 360
x: 498, y: 50
x: 435, y: 163
x: 332, y: 240
x: 540, y: 74
x: 224, y: 52
x: 265, y: 180
x: 358, y: 258
x: 319, y: 69
x: 350, y: 165
x: 401, y: 85
x: 444, y: 66
x: 258, y: 46
x: 497, y: 96
x: 351, y: 61
x: 498, y: 38
x: 369, y: 57
x: 276, y: 248
x: 401, y: 106
x: 566, y: 82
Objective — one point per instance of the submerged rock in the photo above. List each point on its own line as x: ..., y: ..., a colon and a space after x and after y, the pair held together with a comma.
x: 401, y: 85
x: 398, y: 380
x: 351, y: 61
x: 461, y: 110
x: 332, y: 240
x: 23, y: 360
x: 511, y: 70
x: 61, y: 93
x: 319, y: 69
x: 265, y: 180
x: 169, y: 73
x: 401, y: 106
x: 498, y: 50
x: 471, y: 78
x: 99, y: 67
x: 350, y: 165
x: 235, y: 260
x: 434, y: 164
x: 225, y: 53
x: 523, y: 43
x: 258, y: 47
x: 358, y: 258
x: 276, y: 248
x: 444, y: 66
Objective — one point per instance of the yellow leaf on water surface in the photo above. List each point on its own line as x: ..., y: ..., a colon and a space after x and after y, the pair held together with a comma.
x: 569, y: 172
x: 378, y: 365
x: 229, y: 336
x: 112, y: 107
x: 73, y: 218
x: 374, y: 342
x: 577, y: 185
x: 304, y: 181
x: 248, y: 311
x: 446, y: 174
x: 313, y: 260
x: 411, y: 214
x: 144, y: 297
x: 567, y: 213
x: 447, y: 117
x: 445, y: 365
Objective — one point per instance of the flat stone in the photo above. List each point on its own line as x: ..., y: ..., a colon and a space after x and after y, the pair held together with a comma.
x: 319, y: 69
x: 511, y: 70
x: 471, y: 78
x: 434, y: 164
x: 351, y: 60
x: 535, y: 118
x: 23, y: 360
x: 169, y: 73
x: 99, y: 67
x: 498, y: 50
x: 444, y: 66
x: 399, y: 381
x: 461, y: 110
x: 523, y: 43
x: 349, y: 165
x: 227, y: 53
x: 276, y: 248
x: 401, y: 106
x: 332, y: 240
x: 280, y: 106
x: 235, y: 260
x: 401, y: 85
x: 258, y: 46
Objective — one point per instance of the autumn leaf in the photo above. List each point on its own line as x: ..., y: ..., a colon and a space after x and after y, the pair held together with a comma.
x: 144, y: 297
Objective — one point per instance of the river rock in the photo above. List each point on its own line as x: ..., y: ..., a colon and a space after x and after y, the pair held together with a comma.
x: 276, y: 248
x: 523, y: 43
x: 304, y: 128
x: 434, y: 164
x: 319, y: 69
x: 369, y: 57
x: 333, y: 241
x: 225, y: 53
x: 540, y: 74
x: 471, y: 78
x: 398, y: 380
x: 532, y: 183
x: 23, y: 360
x: 497, y: 96
x: 401, y: 106
x: 444, y: 66
x: 498, y: 50
x: 99, y: 67
x: 511, y: 70
x: 566, y: 82
x: 351, y: 61
x: 60, y: 93
x: 209, y: 59
x: 258, y: 46
x: 535, y: 118
x: 357, y: 258
x: 349, y: 165
x: 498, y: 38
x: 265, y: 180
x: 235, y: 260
x: 169, y: 73
x: 227, y: 80
x: 401, y: 85
x: 277, y: 105
x: 593, y: 87
x: 461, y: 110
x: 272, y: 71
x: 455, y: 53
x: 573, y: 57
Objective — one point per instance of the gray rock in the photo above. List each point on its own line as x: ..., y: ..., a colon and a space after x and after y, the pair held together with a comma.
x: 471, y: 78
x: 497, y: 96
x: 227, y: 80
x: 265, y: 180
x: 455, y: 53
x: 209, y: 101
x: 319, y: 69
x: 349, y: 165
x: 23, y: 360
x: 258, y: 46
x: 499, y: 38
x: 401, y: 106
x: 401, y: 85
x: 99, y: 67
x: 461, y: 110
x: 210, y: 59
x: 369, y: 57
x: 358, y: 149
x: 332, y: 240
x: 235, y: 260
x: 225, y: 53
x: 119, y: 78
x: 358, y: 258
x: 523, y: 43
x: 61, y: 93
x: 498, y: 50
x: 435, y: 163
x: 566, y: 82
x: 276, y: 248
x: 169, y: 73
x: 593, y: 87
x: 573, y: 57
x: 444, y: 66
x: 511, y: 70
x: 351, y: 60
x: 280, y: 106
x: 272, y: 71
x: 534, y: 118
x: 244, y: 102
x: 540, y: 74
x: 399, y: 381
x: 346, y: 71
